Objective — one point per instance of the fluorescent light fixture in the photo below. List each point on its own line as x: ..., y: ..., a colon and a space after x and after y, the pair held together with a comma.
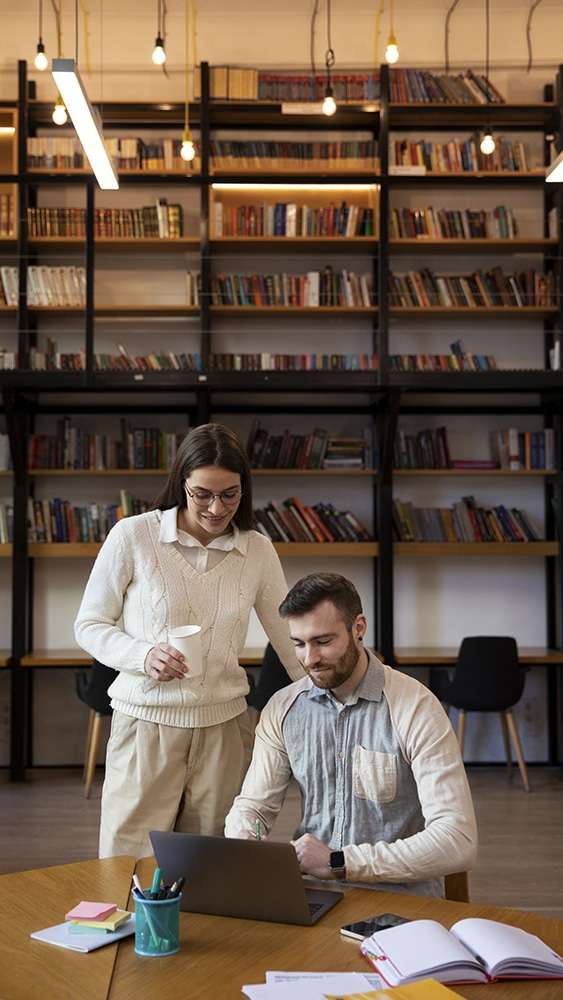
x: 555, y: 172
x: 7, y: 130
x: 73, y: 93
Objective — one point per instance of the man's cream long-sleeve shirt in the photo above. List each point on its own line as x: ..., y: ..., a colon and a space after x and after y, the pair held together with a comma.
x: 381, y: 778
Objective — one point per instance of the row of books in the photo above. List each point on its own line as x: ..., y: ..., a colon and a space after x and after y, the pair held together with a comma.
x: 316, y: 288
x: 450, y: 223
x: 71, y: 447
x: 46, y: 286
x: 317, y: 450
x: 7, y: 216
x: 290, y: 219
x: 463, y: 522
x: 419, y: 86
x: 232, y: 83
x: 133, y: 153
x: 425, y: 289
x: 457, y: 157
x: 293, y: 154
x: 510, y: 449
x: 303, y: 87
x: 514, y: 449
x: 51, y: 359
x: 459, y: 360
x: 61, y: 521
x: 294, y: 521
x: 161, y: 220
x: 267, y: 361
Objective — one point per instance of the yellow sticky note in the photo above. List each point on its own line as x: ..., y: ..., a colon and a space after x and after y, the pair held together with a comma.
x: 111, y: 923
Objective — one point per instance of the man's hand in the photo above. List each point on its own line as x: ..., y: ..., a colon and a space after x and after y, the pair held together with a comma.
x: 250, y: 835
x: 313, y: 856
x: 165, y: 663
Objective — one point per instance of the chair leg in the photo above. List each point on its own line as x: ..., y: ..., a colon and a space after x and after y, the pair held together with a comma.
x: 506, y: 739
x: 461, y: 730
x: 91, y: 715
x: 512, y: 729
x: 92, y: 753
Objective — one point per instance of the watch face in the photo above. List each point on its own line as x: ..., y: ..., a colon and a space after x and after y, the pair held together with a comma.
x: 337, y: 860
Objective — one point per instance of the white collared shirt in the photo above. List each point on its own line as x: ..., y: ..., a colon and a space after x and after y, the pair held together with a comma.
x: 201, y: 557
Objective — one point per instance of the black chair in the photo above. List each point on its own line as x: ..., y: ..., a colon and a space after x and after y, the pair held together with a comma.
x: 489, y: 678
x: 273, y: 676
x: 92, y: 689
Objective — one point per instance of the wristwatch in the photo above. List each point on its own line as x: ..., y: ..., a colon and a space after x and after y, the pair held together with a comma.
x: 337, y: 863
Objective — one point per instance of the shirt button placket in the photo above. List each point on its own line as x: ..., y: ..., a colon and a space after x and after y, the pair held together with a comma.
x: 339, y: 791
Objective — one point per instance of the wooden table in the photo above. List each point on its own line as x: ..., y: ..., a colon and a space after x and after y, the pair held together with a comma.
x: 218, y: 954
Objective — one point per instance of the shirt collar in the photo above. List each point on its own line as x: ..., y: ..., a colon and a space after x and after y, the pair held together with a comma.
x: 169, y: 533
x: 370, y: 687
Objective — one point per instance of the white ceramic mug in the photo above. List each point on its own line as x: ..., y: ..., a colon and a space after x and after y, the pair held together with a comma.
x: 187, y: 640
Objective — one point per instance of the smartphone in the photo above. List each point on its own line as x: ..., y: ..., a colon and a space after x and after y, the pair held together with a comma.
x: 363, y: 928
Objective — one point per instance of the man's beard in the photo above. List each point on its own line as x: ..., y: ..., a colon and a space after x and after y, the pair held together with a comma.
x: 332, y: 675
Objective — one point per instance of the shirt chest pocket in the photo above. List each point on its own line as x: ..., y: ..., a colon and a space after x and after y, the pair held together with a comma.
x: 374, y: 775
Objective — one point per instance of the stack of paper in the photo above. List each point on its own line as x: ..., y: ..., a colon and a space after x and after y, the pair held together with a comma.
x: 341, y: 986
x: 89, y: 926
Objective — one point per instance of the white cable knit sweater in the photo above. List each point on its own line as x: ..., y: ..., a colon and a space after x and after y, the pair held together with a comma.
x: 141, y: 587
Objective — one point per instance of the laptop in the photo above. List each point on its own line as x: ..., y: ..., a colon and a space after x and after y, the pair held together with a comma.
x: 256, y: 880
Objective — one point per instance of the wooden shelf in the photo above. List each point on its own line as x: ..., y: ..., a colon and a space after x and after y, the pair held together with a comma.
x: 512, y: 312
x: 5, y: 656
x: 314, y: 472
x: 85, y: 172
x: 164, y: 472
x: 146, y: 310
x: 447, y: 655
x: 87, y: 550
x: 117, y: 243
x: 294, y: 310
x: 428, y: 245
x: 355, y: 549
x: 5, y: 551
x: 250, y: 657
x: 344, y: 244
x: 485, y: 549
x: 506, y: 473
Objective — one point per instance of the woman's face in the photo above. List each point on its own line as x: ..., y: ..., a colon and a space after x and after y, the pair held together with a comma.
x: 213, y: 495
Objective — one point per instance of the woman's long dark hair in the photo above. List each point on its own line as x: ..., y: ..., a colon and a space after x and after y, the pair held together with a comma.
x: 210, y: 444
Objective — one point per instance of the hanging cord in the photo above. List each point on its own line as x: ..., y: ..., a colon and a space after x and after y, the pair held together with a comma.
x: 447, y: 35
x: 487, y: 45
x: 377, y: 32
x: 58, y: 26
x: 40, y: 20
x: 314, y: 15
x: 531, y: 13
x: 186, y: 68
x: 163, y: 14
x: 329, y: 54
x: 76, y: 32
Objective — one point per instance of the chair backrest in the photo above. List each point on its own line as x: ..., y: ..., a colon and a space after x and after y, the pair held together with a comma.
x: 456, y: 887
x: 95, y: 692
x: 487, y: 676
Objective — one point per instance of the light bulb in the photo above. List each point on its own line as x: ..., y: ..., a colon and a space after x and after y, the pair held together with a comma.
x: 59, y: 116
x: 488, y: 144
x: 187, y: 150
x: 158, y: 53
x: 392, y: 50
x: 41, y: 62
x: 329, y: 104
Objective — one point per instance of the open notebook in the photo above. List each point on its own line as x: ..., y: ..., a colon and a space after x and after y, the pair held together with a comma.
x: 473, y: 951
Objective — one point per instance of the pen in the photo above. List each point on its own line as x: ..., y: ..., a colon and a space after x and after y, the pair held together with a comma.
x: 138, y: 886
x: 176, y: 888
x: 156, y: 879
x: 257, y: 830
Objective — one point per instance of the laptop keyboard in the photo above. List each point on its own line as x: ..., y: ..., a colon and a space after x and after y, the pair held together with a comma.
x: 314, y: 908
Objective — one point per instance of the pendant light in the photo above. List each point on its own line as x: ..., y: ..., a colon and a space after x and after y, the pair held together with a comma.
x: 392, y: 50
x: 40, y: 62
x: 487, y: 144
x: 187, y: 151
x: 329, y: 104
x: 158, y: 53
x: 59, y: 115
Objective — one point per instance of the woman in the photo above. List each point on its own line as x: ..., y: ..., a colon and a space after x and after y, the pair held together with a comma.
x: 178, y: 745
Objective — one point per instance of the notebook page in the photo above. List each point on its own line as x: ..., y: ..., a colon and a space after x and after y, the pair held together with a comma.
x: 502, y: 945
x: 419, y: 949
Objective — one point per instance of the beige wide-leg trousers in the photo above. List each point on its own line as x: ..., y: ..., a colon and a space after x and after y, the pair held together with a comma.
x: 166, y: 778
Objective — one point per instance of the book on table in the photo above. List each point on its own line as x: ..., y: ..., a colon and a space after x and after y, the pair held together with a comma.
x: 474, y: 950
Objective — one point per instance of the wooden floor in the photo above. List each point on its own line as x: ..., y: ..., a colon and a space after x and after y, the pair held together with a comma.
x: 47, y: 821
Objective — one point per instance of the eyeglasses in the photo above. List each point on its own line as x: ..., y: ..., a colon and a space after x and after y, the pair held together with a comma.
x: 204, y: 498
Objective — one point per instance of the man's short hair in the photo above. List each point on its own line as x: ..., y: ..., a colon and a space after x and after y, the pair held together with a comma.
x: 312, y: 590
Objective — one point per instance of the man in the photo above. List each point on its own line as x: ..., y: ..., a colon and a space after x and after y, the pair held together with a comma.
x: 384, y: 794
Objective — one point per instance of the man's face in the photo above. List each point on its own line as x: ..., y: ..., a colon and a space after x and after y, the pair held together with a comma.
x: 324, y: 646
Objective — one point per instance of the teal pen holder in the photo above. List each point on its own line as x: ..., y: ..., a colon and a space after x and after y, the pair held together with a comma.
x: 157, y: 927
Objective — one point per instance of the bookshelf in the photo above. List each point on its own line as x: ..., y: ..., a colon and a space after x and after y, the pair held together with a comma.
x: 377, y: 397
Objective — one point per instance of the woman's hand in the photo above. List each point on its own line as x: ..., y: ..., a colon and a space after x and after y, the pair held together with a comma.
x: 165, y: 663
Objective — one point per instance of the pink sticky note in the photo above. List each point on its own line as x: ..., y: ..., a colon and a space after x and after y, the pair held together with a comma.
x: 91, y: 911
